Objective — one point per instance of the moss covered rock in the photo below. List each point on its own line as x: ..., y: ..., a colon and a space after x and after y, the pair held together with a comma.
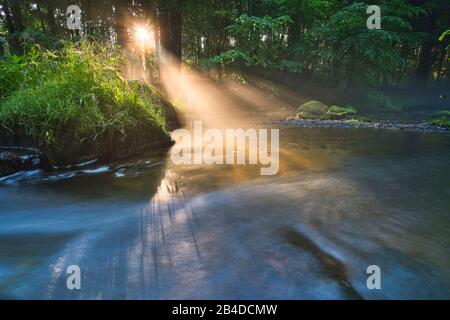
x: 312, y: 110
x: 336, y: 112
x: 317, y: 110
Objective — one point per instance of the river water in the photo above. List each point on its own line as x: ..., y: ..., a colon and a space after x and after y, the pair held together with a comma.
x: 344, y: 199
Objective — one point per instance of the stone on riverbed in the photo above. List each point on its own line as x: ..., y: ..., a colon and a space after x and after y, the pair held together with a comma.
x: 317, y: 110
x: 10, y: 163
x: 312, y: 110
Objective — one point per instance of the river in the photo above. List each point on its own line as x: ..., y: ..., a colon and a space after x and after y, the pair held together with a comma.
x: 344, y: 199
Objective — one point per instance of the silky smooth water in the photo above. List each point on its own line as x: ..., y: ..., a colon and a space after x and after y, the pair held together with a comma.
x: 344, y: 199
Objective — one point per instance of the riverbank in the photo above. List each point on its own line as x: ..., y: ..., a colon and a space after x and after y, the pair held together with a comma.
x: 353, y: 123
x: 73, y: 105
x: 315, y: 114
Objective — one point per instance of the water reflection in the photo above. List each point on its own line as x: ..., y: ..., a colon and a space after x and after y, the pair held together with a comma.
x: 344, y: 199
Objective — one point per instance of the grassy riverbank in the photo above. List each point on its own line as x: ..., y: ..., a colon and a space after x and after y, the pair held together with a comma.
x: 73, y: 104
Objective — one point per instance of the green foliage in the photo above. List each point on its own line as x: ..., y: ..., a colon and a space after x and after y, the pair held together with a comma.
x: 359, y: 53
x: 325, y: 40
x: 77, y: 93
x: 12, y: 73
x: 29, y: 38
x: 259, y: 42
x: 336, y: 112
x: 444, y: 35
x: 442, y: 120
x: 232, y: 57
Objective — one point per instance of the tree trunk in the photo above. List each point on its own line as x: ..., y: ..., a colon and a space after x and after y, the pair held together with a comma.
x: 441, y: 69
x: 41, y: 19
x: 16, y: 15
x: 88, y: 10
x: 427, y: 25
x: 8, y: 18
x: 425, y: 63
x: 87, y: 6
x: 121, y: 23
x: 51, y: 18
x: 294, y: 32
x: 170, y: 26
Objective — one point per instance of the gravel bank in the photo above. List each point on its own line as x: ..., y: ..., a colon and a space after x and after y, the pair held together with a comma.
x: 388, y: 125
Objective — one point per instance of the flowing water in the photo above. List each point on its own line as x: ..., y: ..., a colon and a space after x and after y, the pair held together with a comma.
x: 344, y: 199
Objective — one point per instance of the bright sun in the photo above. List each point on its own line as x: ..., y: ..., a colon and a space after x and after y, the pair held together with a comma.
x: 144, y: 36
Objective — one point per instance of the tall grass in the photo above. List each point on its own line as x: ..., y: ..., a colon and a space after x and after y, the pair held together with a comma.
x: 76, y: 93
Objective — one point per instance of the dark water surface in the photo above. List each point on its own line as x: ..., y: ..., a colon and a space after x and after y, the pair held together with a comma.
x: 344, y: 199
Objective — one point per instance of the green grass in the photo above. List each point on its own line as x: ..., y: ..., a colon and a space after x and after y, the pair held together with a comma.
x: 443, y: 119
x: 75, y: 95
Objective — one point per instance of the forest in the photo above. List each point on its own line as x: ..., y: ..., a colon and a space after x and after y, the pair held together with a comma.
x: 224, y: 149
x: 320, y: 39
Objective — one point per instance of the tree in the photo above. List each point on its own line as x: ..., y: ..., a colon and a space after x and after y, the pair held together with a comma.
x: 51, y: 17
x: 355, y: 53
x: 430, y: 24
x: 8, y: 17
x: 121, y: 19
x: 16, y: 12
x: 170, y: 27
